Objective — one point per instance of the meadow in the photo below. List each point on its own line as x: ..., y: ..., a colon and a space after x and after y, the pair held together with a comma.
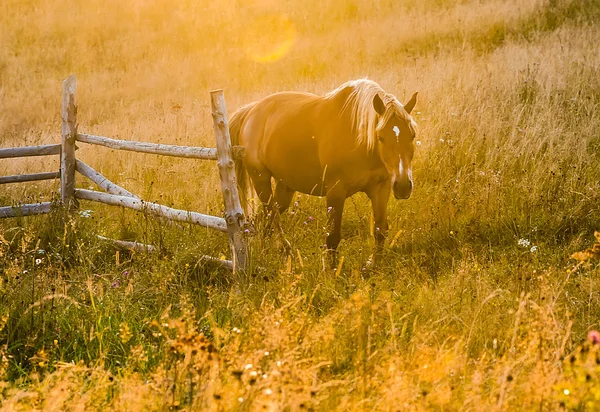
x: 484, y: 299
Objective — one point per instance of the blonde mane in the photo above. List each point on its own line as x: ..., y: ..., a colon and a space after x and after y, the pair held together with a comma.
x: 366, y: 122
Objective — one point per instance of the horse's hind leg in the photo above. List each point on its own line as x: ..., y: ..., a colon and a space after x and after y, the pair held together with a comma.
x: 283, y: 196
x: 261, y: 179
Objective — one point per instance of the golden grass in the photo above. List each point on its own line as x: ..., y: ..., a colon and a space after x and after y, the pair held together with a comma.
x: 476, y: 306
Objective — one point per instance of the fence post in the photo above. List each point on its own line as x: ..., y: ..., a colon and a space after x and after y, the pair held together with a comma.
x: 67, y: 155
x: 234, y: 214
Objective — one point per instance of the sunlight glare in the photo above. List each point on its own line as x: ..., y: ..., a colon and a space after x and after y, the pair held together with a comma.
x: 270, y: 37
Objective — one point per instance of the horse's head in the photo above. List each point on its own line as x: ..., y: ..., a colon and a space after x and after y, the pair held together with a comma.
x: 396, y: 135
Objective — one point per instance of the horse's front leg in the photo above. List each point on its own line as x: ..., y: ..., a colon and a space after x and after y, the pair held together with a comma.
x: 335, y: 208
x: 379, y: 196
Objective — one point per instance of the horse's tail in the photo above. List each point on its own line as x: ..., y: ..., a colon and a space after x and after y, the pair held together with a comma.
x: 243, y: 180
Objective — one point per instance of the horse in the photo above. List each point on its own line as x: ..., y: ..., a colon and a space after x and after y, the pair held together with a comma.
x: 356, y: 138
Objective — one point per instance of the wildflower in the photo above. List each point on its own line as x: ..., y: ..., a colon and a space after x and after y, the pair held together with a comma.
x: 268, y: 391
x: 594, y: 337
x: 329, y: 209
x: 240, y: 399
x: 86, y: 213
x: 246, y: 231
x: 126, y: 273
x: 566, y: 392
x: 418, y: 143
x: 524, y: 242
x: 41, y: 251
x: 38, y: 261
x: 295, y: 204
x: 115, y: 284
x: 253, y: 374
x: 266, y: 353
x: 533, y: 249
x: 310, y: 218
x: 248, y: 366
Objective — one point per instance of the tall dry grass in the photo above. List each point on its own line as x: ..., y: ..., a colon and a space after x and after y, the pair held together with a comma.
x: 477, y: 305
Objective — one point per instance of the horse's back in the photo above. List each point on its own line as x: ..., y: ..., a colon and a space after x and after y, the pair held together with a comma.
x: 280, y: 134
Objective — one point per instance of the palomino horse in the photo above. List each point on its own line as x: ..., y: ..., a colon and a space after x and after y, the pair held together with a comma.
x: 357, y: 138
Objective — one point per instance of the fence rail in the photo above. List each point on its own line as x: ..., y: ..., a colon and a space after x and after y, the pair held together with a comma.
x: 29, y: 178
x: 213, y: 222
x: 225, y: 154
x: 43, y: 150
x: 100, y: 180
x: 26, y: 210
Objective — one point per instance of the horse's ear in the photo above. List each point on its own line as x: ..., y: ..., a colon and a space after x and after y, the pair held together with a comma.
x: 411, y: 103
x: 378, y: 105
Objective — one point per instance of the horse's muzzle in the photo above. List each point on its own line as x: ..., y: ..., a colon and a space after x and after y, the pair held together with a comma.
x: 402, y: 189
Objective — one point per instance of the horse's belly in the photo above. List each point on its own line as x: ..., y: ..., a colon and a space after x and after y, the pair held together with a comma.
x: 296, y: 163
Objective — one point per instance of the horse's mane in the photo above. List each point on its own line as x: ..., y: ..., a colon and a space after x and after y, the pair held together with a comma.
x: 366, y: 122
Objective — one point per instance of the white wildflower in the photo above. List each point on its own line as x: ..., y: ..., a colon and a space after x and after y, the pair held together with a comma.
x: 86, y: 213
x: 524, y: 242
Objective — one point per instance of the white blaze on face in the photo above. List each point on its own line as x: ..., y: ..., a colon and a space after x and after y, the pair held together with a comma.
x: 396, y: 130
x: 401, y: 171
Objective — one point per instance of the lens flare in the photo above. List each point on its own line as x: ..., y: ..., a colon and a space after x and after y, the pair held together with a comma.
x: 270, y: 36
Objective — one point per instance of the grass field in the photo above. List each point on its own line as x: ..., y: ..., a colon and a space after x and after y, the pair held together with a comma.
x: 478, y: 304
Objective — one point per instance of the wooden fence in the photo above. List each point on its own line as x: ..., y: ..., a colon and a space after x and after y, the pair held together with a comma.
x: 225, y: 154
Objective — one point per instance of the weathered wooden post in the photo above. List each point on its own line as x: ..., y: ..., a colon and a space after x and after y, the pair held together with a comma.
x: 69, y: 133
x: 234, y: 214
